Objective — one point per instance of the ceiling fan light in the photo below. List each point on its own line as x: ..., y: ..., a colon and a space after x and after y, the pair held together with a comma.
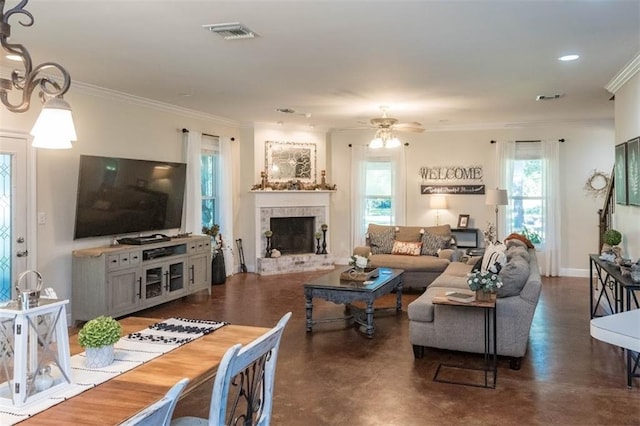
x: 376, y: 143
x: 393, y: 142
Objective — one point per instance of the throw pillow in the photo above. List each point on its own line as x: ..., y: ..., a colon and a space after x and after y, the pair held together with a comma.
x: 520, y: 237
x: 432, y: 244
x: 408, y: 248
x: 514, y: 274
x: 514, y: 250
x: 515, y: 243
x: 477, y: 266
x: 494, y: 258
x: 382, y: 242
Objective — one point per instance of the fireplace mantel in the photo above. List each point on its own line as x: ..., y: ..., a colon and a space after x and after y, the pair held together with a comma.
x: 268, y: 204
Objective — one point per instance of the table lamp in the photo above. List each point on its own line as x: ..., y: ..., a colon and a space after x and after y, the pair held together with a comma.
x: 497, y: 197
x: 438, y: 202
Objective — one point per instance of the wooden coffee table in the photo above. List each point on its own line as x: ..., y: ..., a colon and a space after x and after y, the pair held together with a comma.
x: 330, y: 287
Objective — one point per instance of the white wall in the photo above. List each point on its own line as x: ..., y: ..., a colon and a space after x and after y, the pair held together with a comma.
x: 627, y: 118
x: 587, y: 147
x: 108, y: 125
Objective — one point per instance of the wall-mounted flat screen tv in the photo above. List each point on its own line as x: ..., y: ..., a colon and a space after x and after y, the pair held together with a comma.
x: 119, y: 196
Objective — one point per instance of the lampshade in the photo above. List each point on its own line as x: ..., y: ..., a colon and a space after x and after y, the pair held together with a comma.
x: 54, y: 128
x: 497, y: 197
x: 438, y: 202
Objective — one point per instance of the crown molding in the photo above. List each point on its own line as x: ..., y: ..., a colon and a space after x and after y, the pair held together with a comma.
x: 624, y: 75
x: 104, y: 93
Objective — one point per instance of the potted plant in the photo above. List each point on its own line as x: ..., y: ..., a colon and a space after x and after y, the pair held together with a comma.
x: 98, y: 337
x: 484, y: 284
x: 611, y: 239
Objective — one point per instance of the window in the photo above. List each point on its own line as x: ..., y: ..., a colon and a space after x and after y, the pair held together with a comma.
x: 210, y: 169
x: 378, y: 192
x: 527, y: 192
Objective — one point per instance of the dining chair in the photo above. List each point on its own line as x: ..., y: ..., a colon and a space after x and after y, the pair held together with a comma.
x: 243, y: 387
x: 159, y: 413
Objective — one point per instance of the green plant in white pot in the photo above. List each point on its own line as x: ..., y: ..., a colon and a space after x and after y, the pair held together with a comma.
x: 98, y: 337
x: 611, y: 239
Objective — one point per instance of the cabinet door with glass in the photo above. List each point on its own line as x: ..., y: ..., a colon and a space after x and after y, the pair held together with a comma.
x: 164, y: 281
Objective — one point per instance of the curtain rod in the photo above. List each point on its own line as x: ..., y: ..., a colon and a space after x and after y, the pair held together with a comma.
x: 405, y: 144
x: 559, y: 140
x: 204, y: 134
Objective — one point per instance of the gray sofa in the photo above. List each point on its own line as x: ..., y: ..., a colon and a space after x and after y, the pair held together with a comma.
x: 419, y: 271
x: 461, y: 328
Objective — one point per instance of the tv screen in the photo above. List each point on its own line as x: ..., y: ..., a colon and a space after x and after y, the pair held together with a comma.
x: 119, y: 196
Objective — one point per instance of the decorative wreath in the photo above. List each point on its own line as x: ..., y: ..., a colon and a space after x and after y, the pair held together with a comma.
x: 597, y: 183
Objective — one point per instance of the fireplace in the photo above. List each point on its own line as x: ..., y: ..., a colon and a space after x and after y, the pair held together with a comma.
x: 304, y: 212
x: 293, y: 235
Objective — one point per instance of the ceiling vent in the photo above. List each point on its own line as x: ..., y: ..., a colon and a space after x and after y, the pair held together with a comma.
x: 548, y: 97
x: 286, y: 110
x: 231, y: 31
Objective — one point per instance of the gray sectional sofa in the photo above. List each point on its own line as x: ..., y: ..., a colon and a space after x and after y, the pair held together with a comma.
x: 461, y: 328
x: 419, y: 271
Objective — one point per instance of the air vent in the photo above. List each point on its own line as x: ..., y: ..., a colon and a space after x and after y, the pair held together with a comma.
x: 548, y: 97
x: 286, y: 110
x: 231, y: 31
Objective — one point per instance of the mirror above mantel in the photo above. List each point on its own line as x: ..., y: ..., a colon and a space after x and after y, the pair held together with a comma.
x: 290, y: 161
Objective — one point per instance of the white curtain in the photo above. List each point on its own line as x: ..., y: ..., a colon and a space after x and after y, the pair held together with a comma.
x: 551, y: 212
x: 225, y: 203
x: 549, y: 153
x: 360, y: 154
x: 506, y: 155
x: 358, y: 161
x: 399, y: 188
x: 192, y: 211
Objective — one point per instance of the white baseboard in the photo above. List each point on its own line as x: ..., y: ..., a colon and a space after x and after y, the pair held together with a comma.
x: 574, y: 272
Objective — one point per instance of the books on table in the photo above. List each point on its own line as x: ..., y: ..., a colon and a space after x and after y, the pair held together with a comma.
x: 461, y: 296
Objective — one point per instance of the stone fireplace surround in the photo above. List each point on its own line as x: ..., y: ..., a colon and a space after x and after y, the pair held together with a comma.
x: 280, y: 204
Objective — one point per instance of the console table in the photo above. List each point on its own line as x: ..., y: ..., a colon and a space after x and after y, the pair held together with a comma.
x: 610, y: 286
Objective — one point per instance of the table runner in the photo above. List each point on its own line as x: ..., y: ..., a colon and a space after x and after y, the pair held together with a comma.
x: 130, y: 351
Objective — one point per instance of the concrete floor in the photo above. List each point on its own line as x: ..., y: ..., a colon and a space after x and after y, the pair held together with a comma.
x: 336, y: 376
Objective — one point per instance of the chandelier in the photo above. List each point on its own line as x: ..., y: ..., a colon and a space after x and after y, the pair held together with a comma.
x: 384, y: 139
x: 54, y: 127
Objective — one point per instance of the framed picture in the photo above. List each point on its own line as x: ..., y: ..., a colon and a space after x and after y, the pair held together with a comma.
x: 621, y: 174
x: 633, y: 172
x: 463, y: 221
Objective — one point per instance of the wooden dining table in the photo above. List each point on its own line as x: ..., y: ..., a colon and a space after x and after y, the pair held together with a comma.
x: 116, y: 400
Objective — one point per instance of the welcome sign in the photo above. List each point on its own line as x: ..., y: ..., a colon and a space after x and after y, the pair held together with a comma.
x: 467, y: 179
x: 452, y: 189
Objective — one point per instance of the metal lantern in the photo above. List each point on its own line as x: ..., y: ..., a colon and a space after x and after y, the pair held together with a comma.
x: 34, y: 346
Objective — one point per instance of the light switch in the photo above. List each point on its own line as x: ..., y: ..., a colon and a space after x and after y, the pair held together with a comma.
x: 42, y: 218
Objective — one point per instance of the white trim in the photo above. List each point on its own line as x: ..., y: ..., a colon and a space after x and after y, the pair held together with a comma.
x: 574, y: 272
x: 90, y: 89
x: 624, y: 75
x: 32, y: 207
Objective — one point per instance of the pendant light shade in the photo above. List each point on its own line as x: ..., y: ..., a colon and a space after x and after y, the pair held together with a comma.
x: 54, y: 128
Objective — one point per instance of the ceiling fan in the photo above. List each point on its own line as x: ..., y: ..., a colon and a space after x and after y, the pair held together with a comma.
x: 386, y: 126
x: 392, y: 124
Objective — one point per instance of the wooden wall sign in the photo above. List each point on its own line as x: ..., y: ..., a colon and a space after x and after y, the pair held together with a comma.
x: 452, y: 189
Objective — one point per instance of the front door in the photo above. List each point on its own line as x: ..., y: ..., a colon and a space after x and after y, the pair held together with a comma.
x: 14, y: 250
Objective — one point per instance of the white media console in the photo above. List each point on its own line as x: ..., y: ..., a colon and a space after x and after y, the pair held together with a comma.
x: 122, y: 279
